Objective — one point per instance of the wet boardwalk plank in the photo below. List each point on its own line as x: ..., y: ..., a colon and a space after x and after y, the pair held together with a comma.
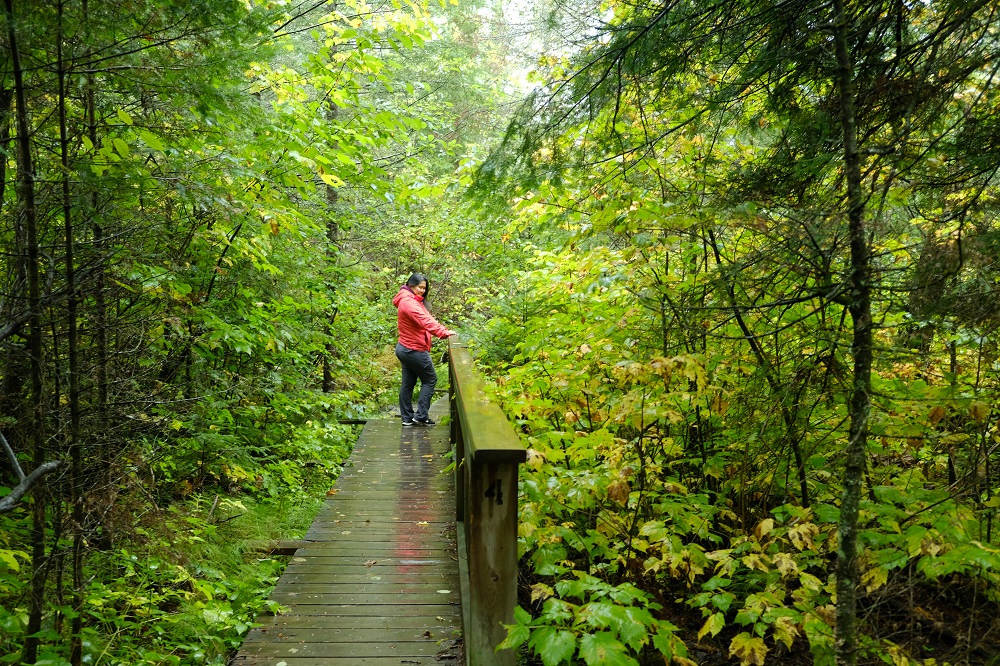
x: 378, y: 585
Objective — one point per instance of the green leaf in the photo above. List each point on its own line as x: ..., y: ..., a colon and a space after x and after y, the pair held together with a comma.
x: 516, y: 634
x: 632, y: 625
x: 602, y: 649
x: 121, y: 146
x: 597, y: 615
x: 8, y: 558
x: 151, y: 140
x: 124, y: 117
x: 556, y: 611
x: 553, y: 645
x: 667, y: 643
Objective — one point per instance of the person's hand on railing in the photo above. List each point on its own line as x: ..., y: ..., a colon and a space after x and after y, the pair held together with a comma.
x: 448, y: 333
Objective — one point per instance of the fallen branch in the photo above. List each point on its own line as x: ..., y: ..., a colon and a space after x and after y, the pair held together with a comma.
x: 25, y: 482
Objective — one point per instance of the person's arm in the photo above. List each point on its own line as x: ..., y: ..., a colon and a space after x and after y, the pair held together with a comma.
x: 426, y: 321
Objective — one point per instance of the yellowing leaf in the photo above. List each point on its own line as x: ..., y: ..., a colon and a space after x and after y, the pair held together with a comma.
x: 755, y: 561
x: 875, y: 578
x: 785, y: 630
x: 811, y: 582
x: 785, y: 563
x: 802, y: 535
x: 331, y: 180
x: 619, y: 492
x: 541, y: 591
x: 748, y: 649
x: 713, y: 625
x: 763, y: 528
x: 535, y: 459
x: 979, y: 411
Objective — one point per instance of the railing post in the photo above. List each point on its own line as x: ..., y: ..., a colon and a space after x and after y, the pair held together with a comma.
x: 491, y: 535
x: 487, y: 455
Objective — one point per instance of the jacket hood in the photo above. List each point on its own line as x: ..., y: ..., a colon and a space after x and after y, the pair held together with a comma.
x: 405, y: 292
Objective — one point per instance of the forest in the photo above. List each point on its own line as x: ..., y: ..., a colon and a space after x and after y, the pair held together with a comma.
x: 729, y: 268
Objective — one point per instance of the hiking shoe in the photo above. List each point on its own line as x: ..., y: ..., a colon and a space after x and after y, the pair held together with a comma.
x: 424, y: 422
x: 406, y: 424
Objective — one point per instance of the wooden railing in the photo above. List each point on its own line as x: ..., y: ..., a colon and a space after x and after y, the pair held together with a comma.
x: 487, y: 455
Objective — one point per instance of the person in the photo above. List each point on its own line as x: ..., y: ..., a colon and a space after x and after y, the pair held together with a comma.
x: 416, y: 326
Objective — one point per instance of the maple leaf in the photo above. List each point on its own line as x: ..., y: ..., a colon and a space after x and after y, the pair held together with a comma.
x: 750, y: 650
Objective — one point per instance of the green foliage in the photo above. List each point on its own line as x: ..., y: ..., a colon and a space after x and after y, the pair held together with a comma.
x: 186, y: 594
x: 608, y: 625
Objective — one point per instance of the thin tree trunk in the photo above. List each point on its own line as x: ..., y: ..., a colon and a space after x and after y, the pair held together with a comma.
x: 100, y: 306
x: 861, y: 316
x: 72, y: 341
x: 13, y: 377
x: 332, y: 238
x: 6, y: 99
x: 26, y: 195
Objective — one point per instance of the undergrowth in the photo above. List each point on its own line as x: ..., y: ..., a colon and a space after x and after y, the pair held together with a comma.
x: 184, y: 575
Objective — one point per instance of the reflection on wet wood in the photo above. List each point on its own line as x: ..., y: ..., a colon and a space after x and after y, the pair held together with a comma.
x: 375, y: 580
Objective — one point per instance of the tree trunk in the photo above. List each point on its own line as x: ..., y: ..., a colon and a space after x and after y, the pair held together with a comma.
x: 860, y: 401
x: 100, y: 307
x: 332, y: 238
x: 26, y: 196
x: 72, y: 341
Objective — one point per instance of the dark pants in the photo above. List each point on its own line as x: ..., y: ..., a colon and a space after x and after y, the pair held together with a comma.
x: 416, y: 364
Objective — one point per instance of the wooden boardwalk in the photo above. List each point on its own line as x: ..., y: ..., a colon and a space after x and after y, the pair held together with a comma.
x: 379, y: 585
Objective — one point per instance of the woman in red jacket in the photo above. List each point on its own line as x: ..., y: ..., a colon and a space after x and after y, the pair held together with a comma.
x: 416, y: 326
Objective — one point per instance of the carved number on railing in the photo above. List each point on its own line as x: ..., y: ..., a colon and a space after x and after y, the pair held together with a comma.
x: 495, y: 489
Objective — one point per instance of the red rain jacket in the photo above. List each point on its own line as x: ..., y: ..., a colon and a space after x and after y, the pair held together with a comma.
x: 416, y: 325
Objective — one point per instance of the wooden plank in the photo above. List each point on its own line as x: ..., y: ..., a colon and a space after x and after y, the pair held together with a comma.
x: 391, y: 501
x: 376, y: 569
x: 354, y: 634
x: 428, y: 541
x: 366, y: 599
x: 331, y: 518
x: 327, y: 577
x: 281, y: 623
x: 393, y: 646
x: 421, y: 523
x: 351, y: 549
x: 425, y: 585
x: 379, y: 530
x: 357, y: 491
x: 272, y: 660
x: 430, y: 611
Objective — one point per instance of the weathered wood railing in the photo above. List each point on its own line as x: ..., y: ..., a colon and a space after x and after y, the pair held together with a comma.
x: 487, y: 455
